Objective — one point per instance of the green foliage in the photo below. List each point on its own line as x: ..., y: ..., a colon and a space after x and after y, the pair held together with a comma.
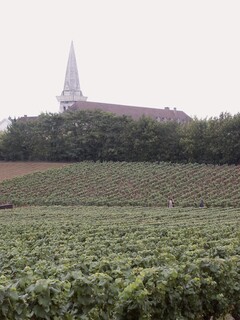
x: 1, y: 145
x: 88, y: 135
x: 17, y: 143
x: 100, y: 136
x: 214, y: 141
x: 193, y: 141
x: 119, y: 263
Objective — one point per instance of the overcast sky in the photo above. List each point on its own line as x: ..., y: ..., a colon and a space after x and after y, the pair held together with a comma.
x: 156, y: 53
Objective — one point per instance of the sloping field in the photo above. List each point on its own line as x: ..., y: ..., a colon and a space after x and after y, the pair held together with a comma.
x: 121, y: 183
x: 9, y: 170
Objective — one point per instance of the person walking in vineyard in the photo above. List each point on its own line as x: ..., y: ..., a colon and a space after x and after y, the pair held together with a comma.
x: 170, y: 203
x: 201, y: 205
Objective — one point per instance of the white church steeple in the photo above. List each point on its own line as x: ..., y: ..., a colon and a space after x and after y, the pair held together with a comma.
x: 71, y: 91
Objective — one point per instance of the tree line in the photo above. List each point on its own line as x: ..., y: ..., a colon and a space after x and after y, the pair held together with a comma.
x: 100, y: 136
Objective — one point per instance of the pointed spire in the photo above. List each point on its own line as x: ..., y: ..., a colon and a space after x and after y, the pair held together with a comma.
x: 71, y: 84
x: 71, y: 91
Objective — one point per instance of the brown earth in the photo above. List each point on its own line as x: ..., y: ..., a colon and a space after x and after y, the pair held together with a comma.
x: 9, y: 170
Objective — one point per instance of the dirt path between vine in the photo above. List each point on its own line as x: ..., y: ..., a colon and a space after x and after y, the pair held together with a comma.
x: 9, y: 170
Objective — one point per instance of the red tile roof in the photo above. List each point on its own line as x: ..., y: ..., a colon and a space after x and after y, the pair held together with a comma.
x: 165, y: 114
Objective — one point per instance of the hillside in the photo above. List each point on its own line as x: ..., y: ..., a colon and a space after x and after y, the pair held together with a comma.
x: 121, y: 183
x: 9, y: 170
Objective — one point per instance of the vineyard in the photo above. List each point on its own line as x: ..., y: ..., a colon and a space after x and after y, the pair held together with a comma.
x: 119, y: 263
x: 95, y: 241
x: 122, y: 183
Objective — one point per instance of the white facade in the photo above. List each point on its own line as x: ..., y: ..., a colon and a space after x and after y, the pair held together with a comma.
x: 4, y: 124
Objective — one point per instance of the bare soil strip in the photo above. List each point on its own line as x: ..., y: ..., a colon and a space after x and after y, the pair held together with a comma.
x: 9, y: 170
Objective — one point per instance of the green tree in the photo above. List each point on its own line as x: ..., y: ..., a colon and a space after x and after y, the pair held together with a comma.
x: 143, y: 140
x: 193, y: 141
x: 168, y: 147
x: 94, y: 135
x: 17, y: 142
x: 230, y: 139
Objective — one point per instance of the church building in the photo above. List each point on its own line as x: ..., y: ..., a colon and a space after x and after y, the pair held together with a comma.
x: 73, y: 99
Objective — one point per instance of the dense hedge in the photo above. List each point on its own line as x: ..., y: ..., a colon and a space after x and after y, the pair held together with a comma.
x: 88, y: 135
